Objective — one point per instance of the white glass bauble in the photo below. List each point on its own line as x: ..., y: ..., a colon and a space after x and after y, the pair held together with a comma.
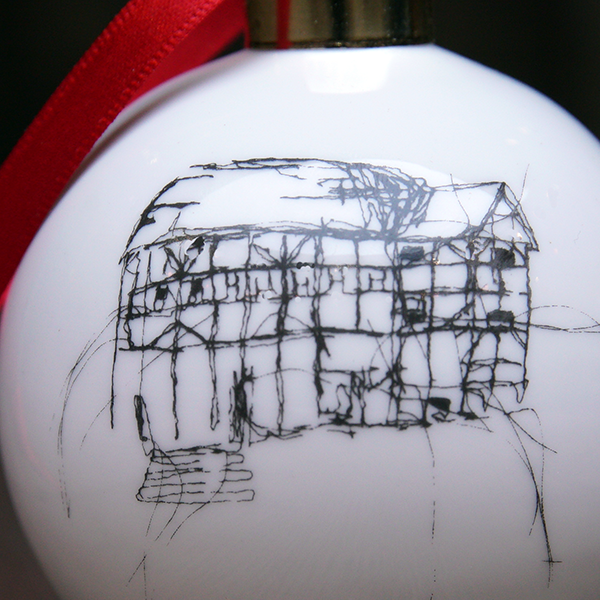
x: 315, y: 324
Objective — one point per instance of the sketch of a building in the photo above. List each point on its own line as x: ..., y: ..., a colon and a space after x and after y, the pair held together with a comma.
x: 278, y: 296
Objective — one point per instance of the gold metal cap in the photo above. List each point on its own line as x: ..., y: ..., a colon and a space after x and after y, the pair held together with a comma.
x: 337, y: 23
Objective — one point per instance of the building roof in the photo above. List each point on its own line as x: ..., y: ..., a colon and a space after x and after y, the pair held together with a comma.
x: 338, y: 199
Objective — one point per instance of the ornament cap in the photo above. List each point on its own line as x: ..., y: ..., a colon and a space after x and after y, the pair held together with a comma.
x: 339, y: 23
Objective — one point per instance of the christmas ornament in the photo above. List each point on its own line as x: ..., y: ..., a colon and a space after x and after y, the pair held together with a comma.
x: 315, y: 322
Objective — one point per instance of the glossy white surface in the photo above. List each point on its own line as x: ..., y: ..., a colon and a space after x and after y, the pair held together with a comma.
x: 445, y: 510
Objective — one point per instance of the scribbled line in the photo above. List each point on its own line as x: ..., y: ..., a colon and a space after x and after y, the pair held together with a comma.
x: 194, y: 475
x: 173, y: 476
x: 381, y: 311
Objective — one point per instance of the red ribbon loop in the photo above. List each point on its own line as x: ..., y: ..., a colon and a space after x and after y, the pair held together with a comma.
x: 148, y: 42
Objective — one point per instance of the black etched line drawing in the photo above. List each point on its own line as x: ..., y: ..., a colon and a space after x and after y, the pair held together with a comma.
x: 355, y: 256
x: 278, y: 296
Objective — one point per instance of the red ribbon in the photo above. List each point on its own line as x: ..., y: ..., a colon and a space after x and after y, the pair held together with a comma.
x: 148, y: 42
x: 283, y: 24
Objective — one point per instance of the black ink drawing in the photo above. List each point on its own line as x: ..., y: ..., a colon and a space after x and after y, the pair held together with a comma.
x: 332, y: 295
x: 375, y: 260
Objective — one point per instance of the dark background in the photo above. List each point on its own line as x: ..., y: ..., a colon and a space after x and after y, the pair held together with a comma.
x: 552, y: 45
